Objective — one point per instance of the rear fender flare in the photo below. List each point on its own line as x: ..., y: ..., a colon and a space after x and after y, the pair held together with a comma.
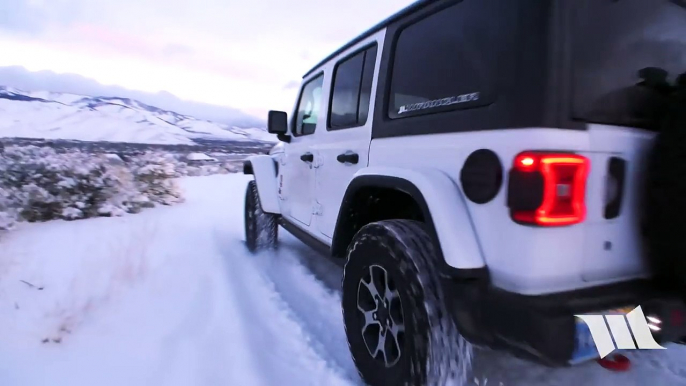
x: 444, y: 209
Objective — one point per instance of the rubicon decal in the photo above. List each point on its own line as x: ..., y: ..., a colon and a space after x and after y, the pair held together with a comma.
x: 618, y: 329
x: 464, y: 98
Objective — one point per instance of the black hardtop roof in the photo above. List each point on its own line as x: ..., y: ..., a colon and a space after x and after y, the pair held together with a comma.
x: 398, y: 15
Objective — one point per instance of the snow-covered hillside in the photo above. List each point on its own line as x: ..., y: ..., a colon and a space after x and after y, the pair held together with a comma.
x: 50, y: 115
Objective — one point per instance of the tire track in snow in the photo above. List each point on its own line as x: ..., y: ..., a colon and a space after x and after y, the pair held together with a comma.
x: 315, y: 307
x: 175, y: 352
x: 222, y: 355
x: 204, y: 338
x: 278, y: 338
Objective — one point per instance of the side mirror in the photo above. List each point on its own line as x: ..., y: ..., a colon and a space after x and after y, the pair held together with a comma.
x: 277, y: 123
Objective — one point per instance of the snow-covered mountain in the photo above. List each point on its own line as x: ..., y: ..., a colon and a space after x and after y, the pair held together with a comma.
x: 51, y: 115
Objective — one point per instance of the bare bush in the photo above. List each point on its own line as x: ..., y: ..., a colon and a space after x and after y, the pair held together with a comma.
x: 39, y: 184
x: 153, y: 173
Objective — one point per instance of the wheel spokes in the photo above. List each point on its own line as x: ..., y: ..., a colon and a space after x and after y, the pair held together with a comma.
x: 369, y: 319
x: 397, y: 335
x: 383, y: 326
x: 389, y: 345
x: 367, y: 305
x: 371, y: 285
x: 381, y: 347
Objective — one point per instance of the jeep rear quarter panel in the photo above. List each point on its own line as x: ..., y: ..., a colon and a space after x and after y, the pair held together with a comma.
x: 517, y: 56
x: 454, y: 77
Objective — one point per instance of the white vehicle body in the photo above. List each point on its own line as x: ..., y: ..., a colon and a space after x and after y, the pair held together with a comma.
x: 521, y: 259
x: 521, y: 147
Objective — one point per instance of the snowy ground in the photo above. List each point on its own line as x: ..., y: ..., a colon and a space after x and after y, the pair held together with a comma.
x: 170, y: 297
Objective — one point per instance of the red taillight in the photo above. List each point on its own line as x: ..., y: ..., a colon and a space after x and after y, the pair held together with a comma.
x: 551, y: 188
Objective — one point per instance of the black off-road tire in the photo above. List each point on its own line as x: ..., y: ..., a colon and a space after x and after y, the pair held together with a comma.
x: 666, y: 197
x: 261, y: 229
x: 432, y: 351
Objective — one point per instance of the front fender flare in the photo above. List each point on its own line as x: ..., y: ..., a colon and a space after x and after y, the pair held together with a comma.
x: 442, y: 203
x: 262, y: 167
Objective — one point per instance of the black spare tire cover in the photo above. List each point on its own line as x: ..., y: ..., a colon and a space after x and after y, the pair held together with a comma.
x: 665, y: 210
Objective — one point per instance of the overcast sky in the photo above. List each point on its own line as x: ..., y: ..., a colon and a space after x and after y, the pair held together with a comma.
x: 244, y: 54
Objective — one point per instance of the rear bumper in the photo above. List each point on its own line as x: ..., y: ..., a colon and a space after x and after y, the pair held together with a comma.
x: 545, y: 329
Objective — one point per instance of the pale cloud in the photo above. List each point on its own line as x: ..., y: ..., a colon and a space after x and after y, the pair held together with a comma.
x: 76, y: 84
x: 33, y: 17
x: 233, y: 53
x: 177, y: 50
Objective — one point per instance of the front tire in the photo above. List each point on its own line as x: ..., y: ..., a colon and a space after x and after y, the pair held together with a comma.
x: 398, y: 328
x: 261, y: 229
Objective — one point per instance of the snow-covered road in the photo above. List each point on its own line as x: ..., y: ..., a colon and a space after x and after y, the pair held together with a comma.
x: 171, y: 297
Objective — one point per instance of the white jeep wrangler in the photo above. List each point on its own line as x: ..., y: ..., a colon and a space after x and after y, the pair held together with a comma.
x: 488, y: 169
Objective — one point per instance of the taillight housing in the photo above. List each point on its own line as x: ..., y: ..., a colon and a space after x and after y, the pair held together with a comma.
x: 548, y: 188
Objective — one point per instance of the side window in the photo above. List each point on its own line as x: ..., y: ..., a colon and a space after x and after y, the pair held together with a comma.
x: 446, y: 61
x: 351, y: 91
x: 308, y: 107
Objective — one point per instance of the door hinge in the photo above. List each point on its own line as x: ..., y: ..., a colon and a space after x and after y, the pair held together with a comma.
x: 317, y: 209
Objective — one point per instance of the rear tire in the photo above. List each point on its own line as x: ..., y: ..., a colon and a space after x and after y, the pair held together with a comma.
x: 404, y: 335
x: 261, y: 229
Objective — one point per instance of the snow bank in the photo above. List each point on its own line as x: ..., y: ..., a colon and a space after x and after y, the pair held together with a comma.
x: 114, y: 158
x: 183, y: 169
x: 55, y: 275
x: 199, y: 157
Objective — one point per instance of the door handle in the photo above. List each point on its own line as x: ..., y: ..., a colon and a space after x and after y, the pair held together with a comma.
x: 351, y: 158
x: 307, y: 157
